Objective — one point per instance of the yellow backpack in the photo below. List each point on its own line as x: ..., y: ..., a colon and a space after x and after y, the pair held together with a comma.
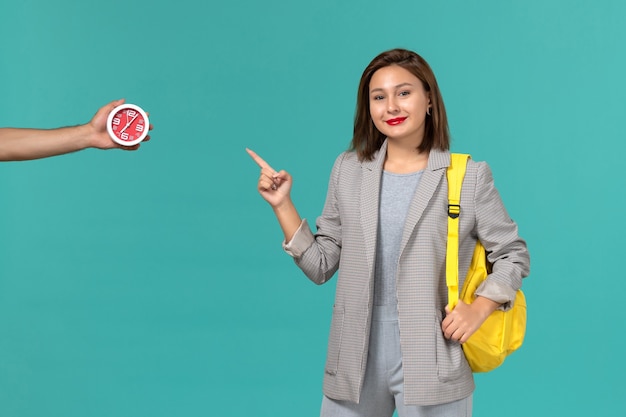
x: 503, y: 331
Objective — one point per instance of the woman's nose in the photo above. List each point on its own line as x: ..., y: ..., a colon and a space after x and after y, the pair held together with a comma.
x: 392, y: 105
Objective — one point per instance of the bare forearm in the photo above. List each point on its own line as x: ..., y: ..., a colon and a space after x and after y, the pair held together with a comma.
x: 25, y: 144
x: 484, y: 306
x: 288, y: 218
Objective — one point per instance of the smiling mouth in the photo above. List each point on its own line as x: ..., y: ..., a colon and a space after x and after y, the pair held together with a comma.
x: 396, y: 121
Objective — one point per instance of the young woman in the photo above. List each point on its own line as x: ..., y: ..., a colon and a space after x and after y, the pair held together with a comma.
x: 393, y: 343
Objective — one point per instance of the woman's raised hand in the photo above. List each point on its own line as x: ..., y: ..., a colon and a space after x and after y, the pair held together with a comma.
x: 274, y: 187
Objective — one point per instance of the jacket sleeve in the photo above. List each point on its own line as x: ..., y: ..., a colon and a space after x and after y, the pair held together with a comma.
x: 498, y: 233
x: 317, y: 255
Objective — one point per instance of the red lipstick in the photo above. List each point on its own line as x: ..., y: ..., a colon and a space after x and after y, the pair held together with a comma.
x: 396, y: 121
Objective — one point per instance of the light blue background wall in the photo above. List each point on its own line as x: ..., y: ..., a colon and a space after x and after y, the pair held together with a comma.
x: 153, y: 283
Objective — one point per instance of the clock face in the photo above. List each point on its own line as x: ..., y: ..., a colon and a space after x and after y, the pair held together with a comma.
x: 128, y: 124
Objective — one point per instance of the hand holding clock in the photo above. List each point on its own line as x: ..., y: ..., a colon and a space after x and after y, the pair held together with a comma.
x: 102, y: 123
x: 19, y: 144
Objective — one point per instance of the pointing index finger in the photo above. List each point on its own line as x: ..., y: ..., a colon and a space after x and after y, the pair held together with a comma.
x: 259, y: 161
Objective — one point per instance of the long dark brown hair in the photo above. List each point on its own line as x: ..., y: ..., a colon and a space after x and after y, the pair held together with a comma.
x: 367, y: 138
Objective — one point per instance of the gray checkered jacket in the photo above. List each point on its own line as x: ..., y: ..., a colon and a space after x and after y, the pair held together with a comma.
x: 435, y: 369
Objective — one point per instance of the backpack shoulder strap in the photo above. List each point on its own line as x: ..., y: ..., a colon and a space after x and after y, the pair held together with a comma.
x: 455, y: 175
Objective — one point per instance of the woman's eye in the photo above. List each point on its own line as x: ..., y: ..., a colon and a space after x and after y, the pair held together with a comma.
x: 377, y: 97
x: 405, y: 93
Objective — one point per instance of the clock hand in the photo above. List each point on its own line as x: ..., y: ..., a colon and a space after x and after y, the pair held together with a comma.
x: 129, y: 123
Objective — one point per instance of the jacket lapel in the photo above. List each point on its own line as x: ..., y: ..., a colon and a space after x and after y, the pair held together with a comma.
x: 438, y: 161
x: 370, y: 193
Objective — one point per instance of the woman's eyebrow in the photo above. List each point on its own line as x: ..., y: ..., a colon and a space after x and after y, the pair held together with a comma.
x: 396, y: 87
